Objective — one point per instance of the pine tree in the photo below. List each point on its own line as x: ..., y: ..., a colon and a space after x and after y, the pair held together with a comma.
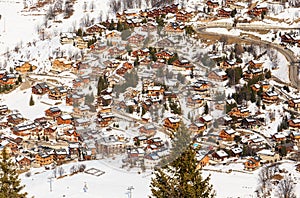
x: 9, y: 181
x: 31, y: 102
x: 181, y: 177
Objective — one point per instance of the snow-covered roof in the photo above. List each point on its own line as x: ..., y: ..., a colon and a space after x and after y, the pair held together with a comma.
x: 266, y: 152
x: 222, y: 153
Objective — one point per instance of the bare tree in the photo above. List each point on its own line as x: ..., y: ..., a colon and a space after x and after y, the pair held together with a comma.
x: 84, y: 6
x: 100, y: 16
x: 54, y: 172
x: 264, y: 177
x: 286, y: 188
x: 115, y: 6
x: 61, y: 171
x: 92, y: 6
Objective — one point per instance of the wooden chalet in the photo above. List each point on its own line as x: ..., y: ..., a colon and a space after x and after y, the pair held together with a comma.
x: 227, y: 64
x: 224, y: 12
x: 64, y: 119
x: 172, y: 123
x: 53, y: 112
x: 220, y: 155
x: 258, y: 10
x: 23, y: 161
x: 254, y: 64
x: 212, y: 4
x: 279, y: 136
x: 40, y: 88
x: 43, y: 159
x: 202, y: 159
x: 182, y: 65
x: 57, y: 93
x: 270, y: 97
x: 218, y: 75
x: 26, y: 67
x: 8, y: 79
x: 195, y: 100
x: 236, y: 152
x: 155, y: 90
x: 174, y: 28
x: 70, y: 136
x: 294, y: 104
x: 4, y: 110
x: 136, y: 39
x: 239, y: 112
x: 95, y: 29
x: 197, y: 128
x: 165, y: 43
x: 141, y: 53
x: 252, y: 163
x: 227, y: 134
x: 295, y: 136
x: 105, y: 119
x: 183, y: 16
x: 148, y: 129
x: 164, y: 55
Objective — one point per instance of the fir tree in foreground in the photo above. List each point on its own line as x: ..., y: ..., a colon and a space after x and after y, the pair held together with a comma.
x: 10, y: 186
x: 180, y: 178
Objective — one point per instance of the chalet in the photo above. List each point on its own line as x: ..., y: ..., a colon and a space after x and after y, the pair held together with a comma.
x: 226, y: 64
x: 195, y: 100
x: 255, y: 87
x: 64, y: 119
x: 236, y: 152
x: 227, y: 134
x: 164, y: 55
x: 26, y: 67
x: 239, y: 112
x: 140, y: 140
x: 136, y: 39
x: 251, y: 73
x: 212, y: 4
x: 116, y: 52
x: 25, y: 129
x: 206, y: 119
x: 295, y: 136
x: 57, y: 93
x: 294, y: 123
x: 40, y: 88
x: 155, y: 90
x: 81, y: 42
x: 217, y: 75
x: 62, y: 64
x: 95, y: 29
x: 224, y: 12
x: 43, y: 159
x: 4, y: 109
x: 151, y: 160
x: 258, y: 10
x: 165, y: 43
x: 182, y: 64
x: 8, y: 79
x: 249, y: 123
x: 109, y: 145
x: 183, y: 16
x: 202, y: 159
x: 220, y: 155
x: 254, y: 64
x: 160, y: 63
x: 137, y: 153
x: 15, y: 118
x: 172, y: 123
x: 155, y: 141
x: 23, y: 161
x: 279, y: 136
x: 201, y: 86
x: 61, y: 155
x: 294, y: 104
x: 67, y: 38
x: 252, y: 163
x: 197, y: 128
x: 81, y: 111
x: 270, y: 97
x: 70, y: 136
x: 265, y: 85
x: 141, y: 53
x: 174, y: 28
x: 149, y: 27
x: 53, y: 112
x: 148, y: 130
x: 268, y: 155
x: 105, y: 119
